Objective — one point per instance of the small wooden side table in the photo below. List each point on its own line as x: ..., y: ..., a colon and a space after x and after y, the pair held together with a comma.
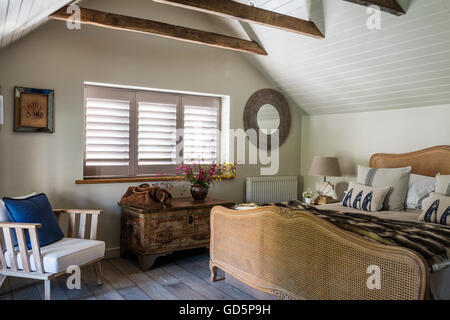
x: 323, y: 200
x: 152, y: 233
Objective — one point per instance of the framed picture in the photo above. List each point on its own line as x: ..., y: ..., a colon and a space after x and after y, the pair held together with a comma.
x: 33, y: 110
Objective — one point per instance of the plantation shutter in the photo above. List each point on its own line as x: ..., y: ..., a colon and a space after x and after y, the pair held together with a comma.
x: 201, y: 122
x: 157, y: 124
x: 107, y: 132
x: 131, y: 133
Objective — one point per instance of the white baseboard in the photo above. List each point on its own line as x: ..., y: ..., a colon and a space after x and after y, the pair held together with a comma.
x: 112, y: 253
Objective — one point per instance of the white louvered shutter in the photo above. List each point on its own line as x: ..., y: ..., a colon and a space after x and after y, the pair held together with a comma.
x: 201, y: 122
x: 132, y: 133
x: 156, y: 132
x: 107, y: 132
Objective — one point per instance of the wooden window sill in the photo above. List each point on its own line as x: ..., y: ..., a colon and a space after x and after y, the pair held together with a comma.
x: 139, y: 179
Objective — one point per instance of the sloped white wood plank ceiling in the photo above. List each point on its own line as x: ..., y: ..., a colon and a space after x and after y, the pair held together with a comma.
x: 405, y: 64
x: 19, y: 17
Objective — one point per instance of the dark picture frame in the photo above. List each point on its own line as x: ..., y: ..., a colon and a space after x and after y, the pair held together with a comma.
x: 33, y: 110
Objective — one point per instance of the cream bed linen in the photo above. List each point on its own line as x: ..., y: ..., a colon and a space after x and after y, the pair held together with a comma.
x: 439, y: 281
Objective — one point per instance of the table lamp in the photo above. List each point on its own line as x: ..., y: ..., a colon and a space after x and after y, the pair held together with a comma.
x: 326, y: 167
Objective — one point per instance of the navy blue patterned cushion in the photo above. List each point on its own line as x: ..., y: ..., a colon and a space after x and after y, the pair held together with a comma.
x: 437, y: 210
x: 365, y: 198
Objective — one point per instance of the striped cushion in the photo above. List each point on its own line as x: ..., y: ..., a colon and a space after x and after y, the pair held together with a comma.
x: 419, y: 190
x: 443, y: 184
x: 396, y: 178
x: 365, y: 198
x: 437, y: 210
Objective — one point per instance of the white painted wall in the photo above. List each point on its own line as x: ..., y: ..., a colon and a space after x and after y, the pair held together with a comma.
x: 355, y: 137
x: 354, y: 69
x: 56, y: 58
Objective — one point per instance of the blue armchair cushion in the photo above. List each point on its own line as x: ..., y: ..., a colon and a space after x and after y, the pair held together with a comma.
x: 35, y: 209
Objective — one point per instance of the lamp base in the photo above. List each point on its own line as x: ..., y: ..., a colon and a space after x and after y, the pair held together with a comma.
x: 326, y: 189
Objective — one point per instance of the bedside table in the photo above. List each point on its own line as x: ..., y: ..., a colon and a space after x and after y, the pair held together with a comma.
x: 184, y: 224
x: 323, y: 200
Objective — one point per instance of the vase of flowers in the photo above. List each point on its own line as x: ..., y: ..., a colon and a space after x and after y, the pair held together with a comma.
x: 308, y: 195
x: 201, y: 177
x: 199, y: 192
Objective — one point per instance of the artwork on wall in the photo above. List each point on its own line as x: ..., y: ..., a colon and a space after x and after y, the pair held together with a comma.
x: 33, y: 110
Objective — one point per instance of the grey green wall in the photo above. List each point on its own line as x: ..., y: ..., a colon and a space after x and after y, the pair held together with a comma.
x: 354, y: 137
x: 56, y: 58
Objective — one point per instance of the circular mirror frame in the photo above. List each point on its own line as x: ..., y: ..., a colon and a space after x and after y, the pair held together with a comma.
x: 255, y: 102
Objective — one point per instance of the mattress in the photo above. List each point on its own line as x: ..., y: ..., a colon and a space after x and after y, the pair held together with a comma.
x: 439, y: 281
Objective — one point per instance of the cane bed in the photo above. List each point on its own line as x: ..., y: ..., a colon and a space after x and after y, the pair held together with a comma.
x: 300, y: 256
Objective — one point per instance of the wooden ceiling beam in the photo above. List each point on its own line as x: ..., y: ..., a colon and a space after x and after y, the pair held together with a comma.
x: 389, y: 6
x: 236, y: 10
x: 120, y: 22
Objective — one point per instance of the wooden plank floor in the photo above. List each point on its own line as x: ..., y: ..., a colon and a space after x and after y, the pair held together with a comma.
x: 182, y: 275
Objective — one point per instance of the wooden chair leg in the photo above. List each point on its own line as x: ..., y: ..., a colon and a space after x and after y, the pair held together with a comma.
x: 2, y: 279
x: 98, y: 272
x: 47, y: 290
x: 213, y: 270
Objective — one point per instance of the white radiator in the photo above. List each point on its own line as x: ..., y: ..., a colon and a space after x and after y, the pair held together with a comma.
x: 271, y: 189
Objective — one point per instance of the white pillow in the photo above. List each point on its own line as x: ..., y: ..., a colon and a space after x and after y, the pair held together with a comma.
x: 4, y: 212
x: 396, y: 178
x: 443, y: 184
x: 419, y: 189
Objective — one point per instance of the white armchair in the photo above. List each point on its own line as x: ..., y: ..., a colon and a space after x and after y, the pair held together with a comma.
x: 52, y: 260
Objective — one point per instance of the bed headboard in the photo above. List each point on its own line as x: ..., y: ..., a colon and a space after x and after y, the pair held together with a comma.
x: 427, y: 162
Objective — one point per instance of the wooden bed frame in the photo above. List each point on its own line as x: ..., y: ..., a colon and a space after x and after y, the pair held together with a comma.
x: 299, y: 256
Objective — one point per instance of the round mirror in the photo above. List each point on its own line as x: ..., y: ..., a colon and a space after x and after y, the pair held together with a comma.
x: 266, y: 111
x: 268, y: 118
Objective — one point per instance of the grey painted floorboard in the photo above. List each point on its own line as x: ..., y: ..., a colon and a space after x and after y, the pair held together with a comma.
x: 152, y: 288
x: 173, y: 284
x: 204, y: 274
x: 182, y: 275
x: 76, y: 294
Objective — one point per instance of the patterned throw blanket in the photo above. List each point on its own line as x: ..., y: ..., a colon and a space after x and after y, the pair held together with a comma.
x: 431, y: 241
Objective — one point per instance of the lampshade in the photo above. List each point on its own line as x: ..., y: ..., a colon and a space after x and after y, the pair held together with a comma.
x: 325, y: 166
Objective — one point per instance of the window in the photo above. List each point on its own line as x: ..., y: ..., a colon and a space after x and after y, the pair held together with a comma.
x: 131, y: 133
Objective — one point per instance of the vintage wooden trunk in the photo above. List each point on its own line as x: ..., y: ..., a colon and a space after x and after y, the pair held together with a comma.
x: 152, y: 233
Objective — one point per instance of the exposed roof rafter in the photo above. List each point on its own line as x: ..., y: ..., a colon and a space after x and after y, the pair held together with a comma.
x: 120, y: 22
x: 232, y: 9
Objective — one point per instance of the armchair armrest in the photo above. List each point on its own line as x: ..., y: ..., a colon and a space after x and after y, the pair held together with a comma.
x: 78, y: 211
x: 20, y: 229
x: 82, y: 213
x: 19, y: 225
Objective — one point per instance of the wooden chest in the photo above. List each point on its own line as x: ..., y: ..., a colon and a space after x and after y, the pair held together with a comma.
x: 152, y: 233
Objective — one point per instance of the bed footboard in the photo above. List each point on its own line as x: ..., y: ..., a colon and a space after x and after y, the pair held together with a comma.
x: 296, y: 255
